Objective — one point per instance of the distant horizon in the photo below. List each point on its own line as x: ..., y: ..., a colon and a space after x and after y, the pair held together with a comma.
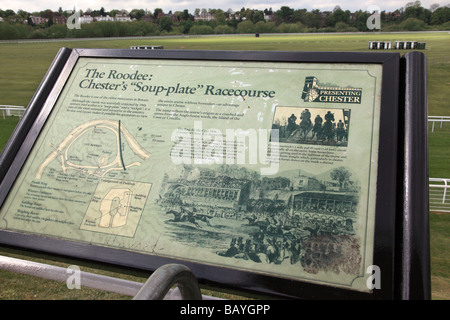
x: 191, y: 6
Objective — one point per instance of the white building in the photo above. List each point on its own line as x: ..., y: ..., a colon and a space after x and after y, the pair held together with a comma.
x: 86, y: 19
x: 106, y: 18
x: 205, y: 16
x: 122, y: 17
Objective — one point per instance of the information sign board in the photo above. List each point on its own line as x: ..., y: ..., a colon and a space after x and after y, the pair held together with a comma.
x: 272, y: 170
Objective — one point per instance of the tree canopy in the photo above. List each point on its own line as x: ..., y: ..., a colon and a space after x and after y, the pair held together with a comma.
x: 413, y: 16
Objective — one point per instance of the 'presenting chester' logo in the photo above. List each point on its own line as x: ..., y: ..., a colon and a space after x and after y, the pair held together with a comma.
x: 313, y: 92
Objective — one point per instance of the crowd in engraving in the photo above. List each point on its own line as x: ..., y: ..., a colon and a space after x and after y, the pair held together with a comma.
x: 314, y: 229
x: 311, y: 241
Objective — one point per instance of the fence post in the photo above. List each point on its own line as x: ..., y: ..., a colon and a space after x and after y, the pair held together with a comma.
x: 445, y: 191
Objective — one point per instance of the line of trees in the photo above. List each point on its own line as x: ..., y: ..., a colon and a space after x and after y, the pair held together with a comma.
x: 412, y: 17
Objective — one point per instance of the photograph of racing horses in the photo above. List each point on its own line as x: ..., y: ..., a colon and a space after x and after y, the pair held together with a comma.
x: 312, y: 126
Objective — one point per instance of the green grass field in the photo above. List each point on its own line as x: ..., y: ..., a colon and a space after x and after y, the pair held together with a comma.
x: 23, y: 66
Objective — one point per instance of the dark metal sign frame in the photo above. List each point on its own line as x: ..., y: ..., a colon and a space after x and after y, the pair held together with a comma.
x: 401, y: 231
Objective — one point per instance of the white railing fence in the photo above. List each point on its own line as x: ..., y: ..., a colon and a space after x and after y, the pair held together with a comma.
x: 8, y: 111
x: 439, y: 200
x: 439, y: 119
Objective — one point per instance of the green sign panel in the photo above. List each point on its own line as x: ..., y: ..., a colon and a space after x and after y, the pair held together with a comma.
x: 266, y: 167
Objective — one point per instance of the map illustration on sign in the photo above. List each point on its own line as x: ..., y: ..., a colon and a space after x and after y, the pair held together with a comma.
x: 78, y: 152
x: 116, y: 207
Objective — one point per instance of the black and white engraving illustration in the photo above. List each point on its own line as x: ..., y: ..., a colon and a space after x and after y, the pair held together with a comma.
x: 293, y: 218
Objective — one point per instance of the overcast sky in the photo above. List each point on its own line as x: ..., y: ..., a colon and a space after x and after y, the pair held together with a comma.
x: 191, y: 5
